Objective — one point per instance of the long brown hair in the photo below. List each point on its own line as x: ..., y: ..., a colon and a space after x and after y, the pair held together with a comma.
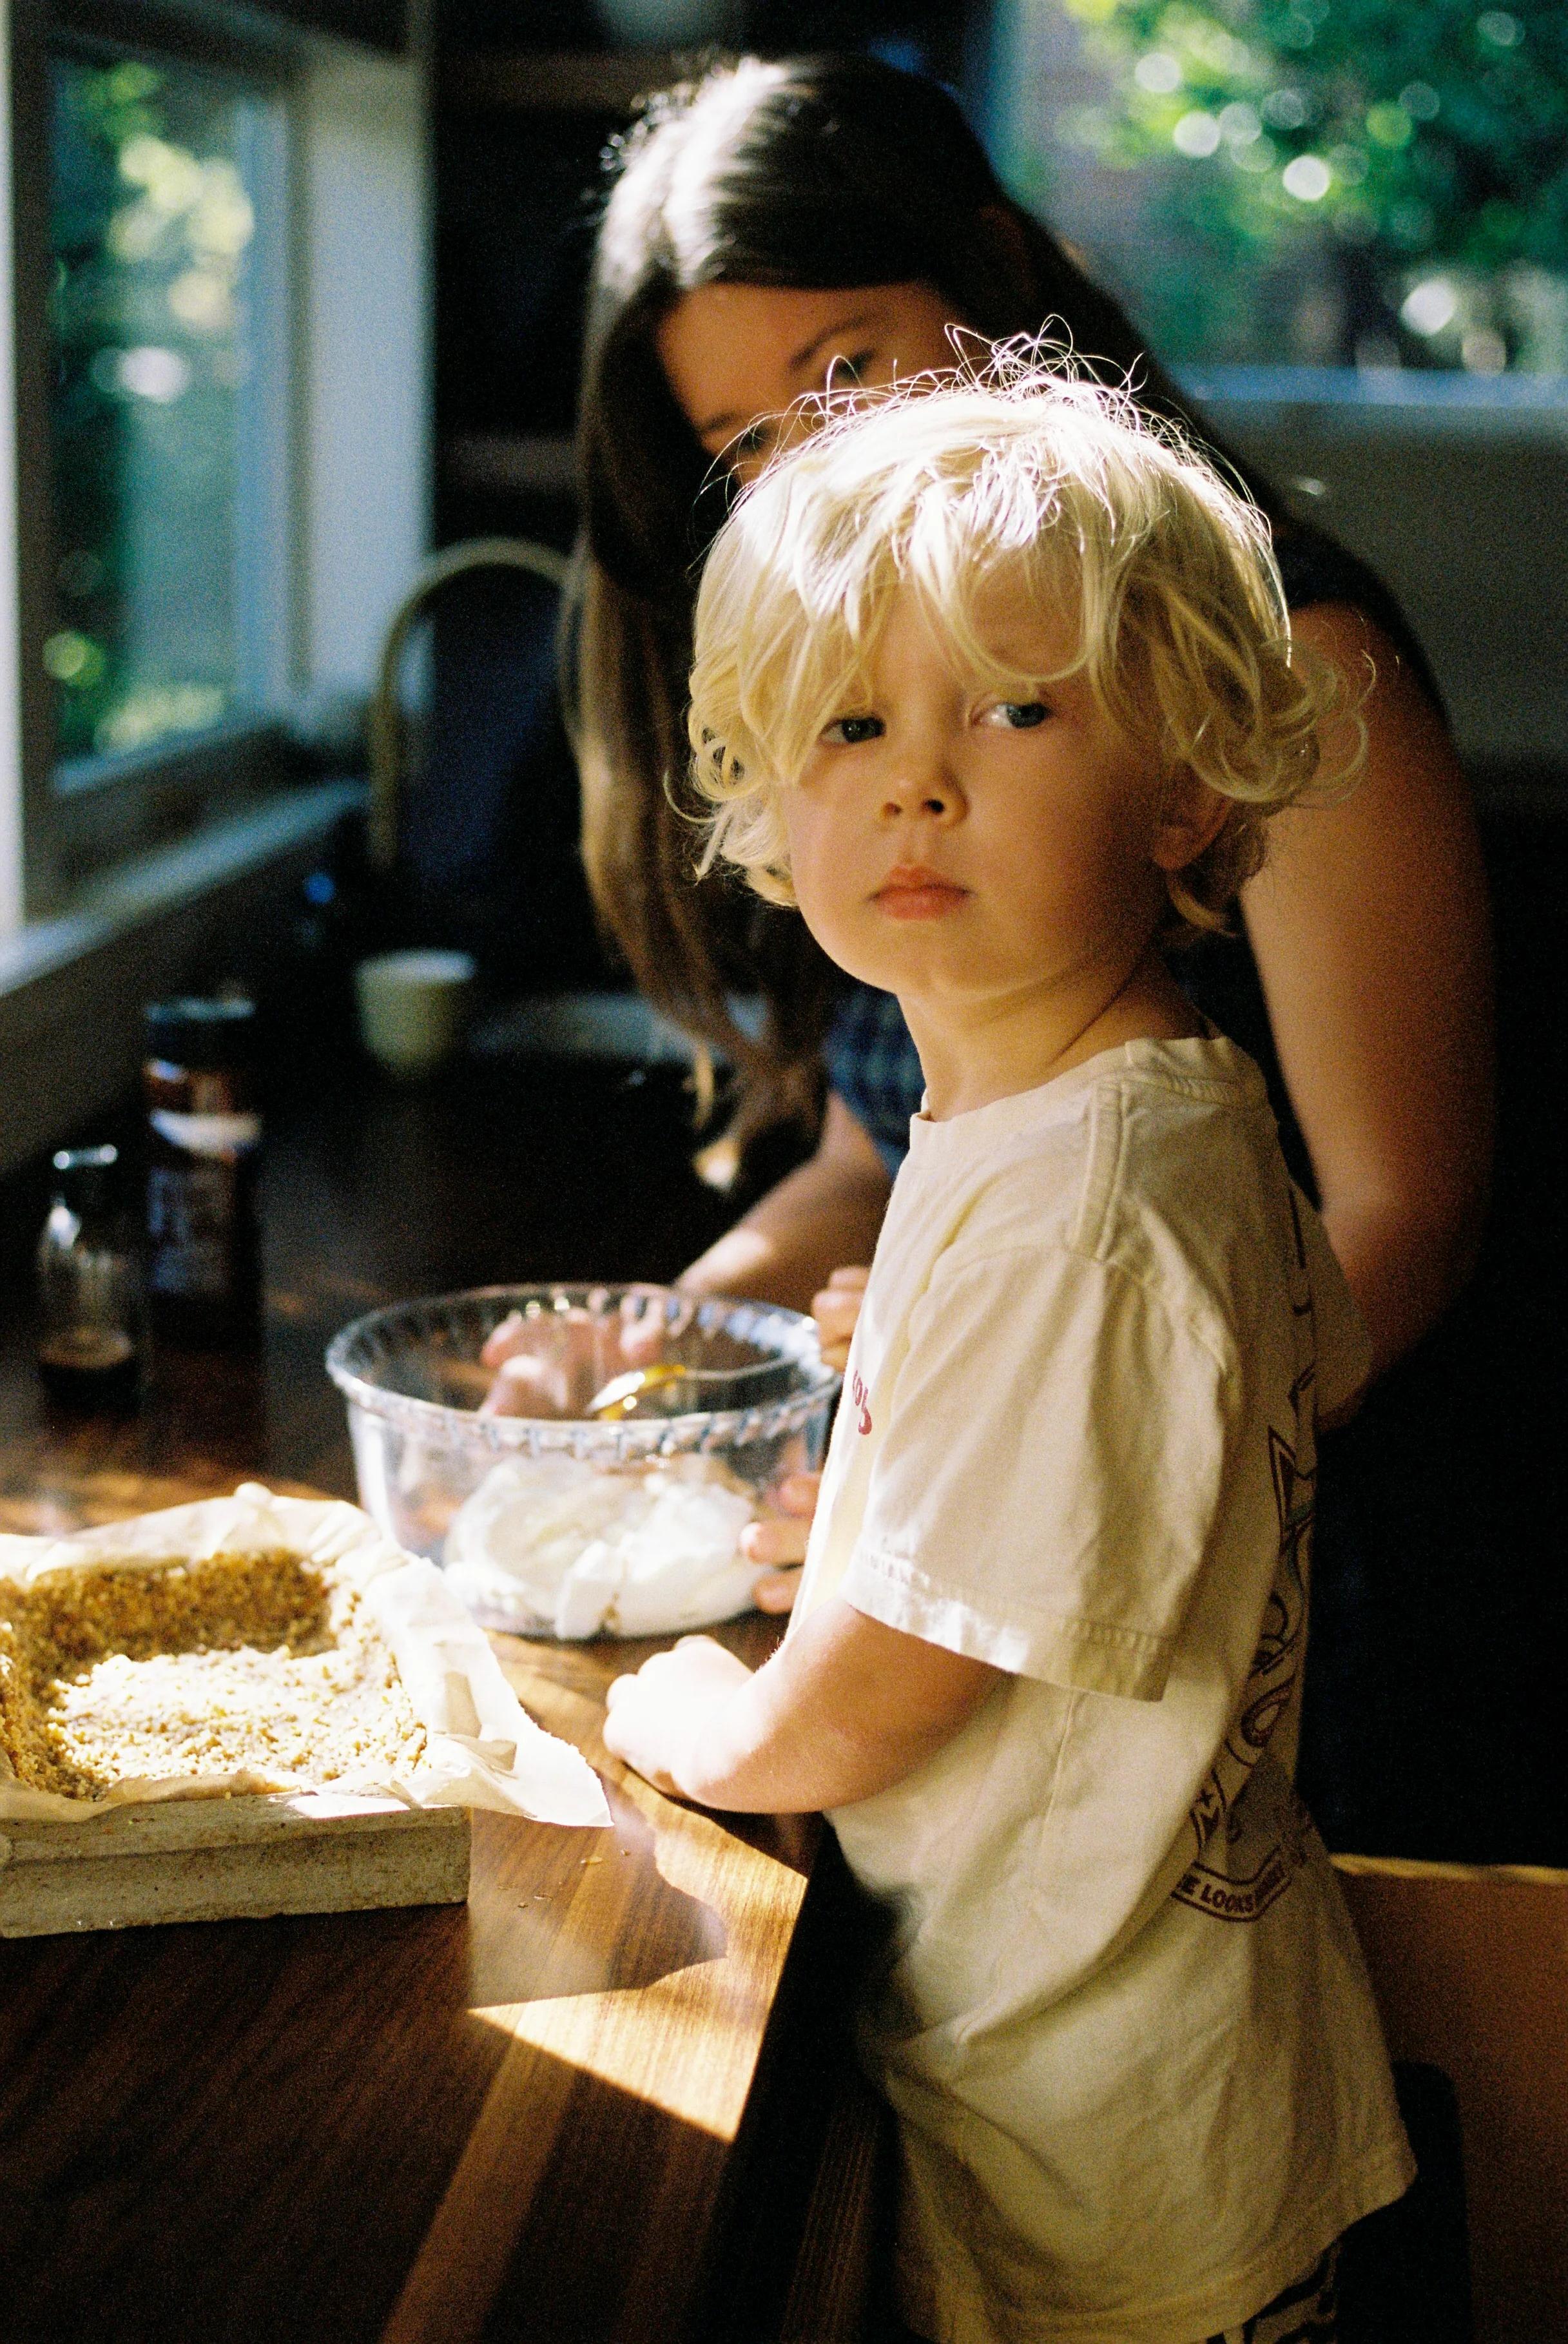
x: 814, y: 173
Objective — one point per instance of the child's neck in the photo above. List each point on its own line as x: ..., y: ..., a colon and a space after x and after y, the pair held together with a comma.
x: 975, y: 1052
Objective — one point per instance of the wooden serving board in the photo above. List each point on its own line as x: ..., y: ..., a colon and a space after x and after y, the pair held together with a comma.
x: 229, y: 1859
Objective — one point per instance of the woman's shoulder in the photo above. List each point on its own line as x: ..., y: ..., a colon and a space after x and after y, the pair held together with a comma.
x: 1314, y: 568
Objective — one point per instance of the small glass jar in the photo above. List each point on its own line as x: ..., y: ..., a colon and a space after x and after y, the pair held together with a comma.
x: 90, y: 1341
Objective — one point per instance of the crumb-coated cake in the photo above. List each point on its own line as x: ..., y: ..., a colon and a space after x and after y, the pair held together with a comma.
x: 257, y: 1664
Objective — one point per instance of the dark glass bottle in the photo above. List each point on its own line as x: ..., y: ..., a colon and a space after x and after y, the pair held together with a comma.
x: 89, y: 1288
x: 204, y: 1128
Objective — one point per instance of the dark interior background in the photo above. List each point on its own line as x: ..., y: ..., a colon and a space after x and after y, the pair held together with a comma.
x: 527, y: 103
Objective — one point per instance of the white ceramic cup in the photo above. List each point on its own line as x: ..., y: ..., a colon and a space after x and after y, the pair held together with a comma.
x: 413, y: 1007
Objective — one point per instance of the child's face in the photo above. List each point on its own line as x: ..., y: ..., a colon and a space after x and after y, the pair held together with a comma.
x: 956, y: 848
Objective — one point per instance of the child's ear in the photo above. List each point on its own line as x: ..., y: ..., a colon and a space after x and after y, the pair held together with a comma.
x: 1192, y: 818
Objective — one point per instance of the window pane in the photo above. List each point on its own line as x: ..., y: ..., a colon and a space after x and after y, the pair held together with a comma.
x: 1370, y: 183
x: 154, y: 223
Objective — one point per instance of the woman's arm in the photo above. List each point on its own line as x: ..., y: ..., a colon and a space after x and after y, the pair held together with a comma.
x: 792, y: 1248
x: 788, y: 1246
x: 845, y: 1709
x: 1372, y: 931
x: 826, y: 1213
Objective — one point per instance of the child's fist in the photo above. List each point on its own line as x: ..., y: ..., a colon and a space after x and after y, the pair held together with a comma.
x: 655, y: 1720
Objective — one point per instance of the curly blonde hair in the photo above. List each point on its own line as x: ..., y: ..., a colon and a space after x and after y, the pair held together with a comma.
x: 1019, y: 472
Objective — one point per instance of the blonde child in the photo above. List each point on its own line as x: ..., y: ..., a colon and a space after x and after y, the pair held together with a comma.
x: 996, y: 684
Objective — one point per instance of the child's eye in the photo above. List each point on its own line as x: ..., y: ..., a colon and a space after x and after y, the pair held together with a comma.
x: 1016, y: 715
x: 849, y: 732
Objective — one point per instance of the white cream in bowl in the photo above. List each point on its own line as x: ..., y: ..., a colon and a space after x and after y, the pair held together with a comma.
x: 552, y: 1542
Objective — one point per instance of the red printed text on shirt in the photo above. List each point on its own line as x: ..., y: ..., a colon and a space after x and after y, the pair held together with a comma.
x: 862, y: 1400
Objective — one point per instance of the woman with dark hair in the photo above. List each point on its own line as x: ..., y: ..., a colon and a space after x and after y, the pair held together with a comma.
x: 777, y: 227
x: 774, y: 227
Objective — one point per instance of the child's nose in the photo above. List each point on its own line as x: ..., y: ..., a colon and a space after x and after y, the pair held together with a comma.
x: 935, y: 796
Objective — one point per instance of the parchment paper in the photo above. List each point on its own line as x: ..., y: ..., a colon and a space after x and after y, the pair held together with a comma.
x: 483, y: 1750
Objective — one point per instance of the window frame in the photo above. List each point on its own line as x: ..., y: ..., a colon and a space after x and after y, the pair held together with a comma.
x: 81, y: 817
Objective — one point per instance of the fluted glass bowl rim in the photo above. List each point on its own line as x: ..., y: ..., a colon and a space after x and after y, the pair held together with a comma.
x: 591, y: 1437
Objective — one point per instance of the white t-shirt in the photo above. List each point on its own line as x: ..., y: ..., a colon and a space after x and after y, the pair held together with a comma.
x: 1126, y: 2023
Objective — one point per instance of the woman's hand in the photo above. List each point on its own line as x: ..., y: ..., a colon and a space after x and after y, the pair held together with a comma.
x: 835, y: 1310
x: 781, y: 1540
x: 655, y: 1719
x: 553, y: 1366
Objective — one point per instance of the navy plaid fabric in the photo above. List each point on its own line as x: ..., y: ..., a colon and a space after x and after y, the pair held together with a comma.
x: 873, y: 1066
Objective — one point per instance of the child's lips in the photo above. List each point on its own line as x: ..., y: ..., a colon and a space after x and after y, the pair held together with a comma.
x: 912, y: 892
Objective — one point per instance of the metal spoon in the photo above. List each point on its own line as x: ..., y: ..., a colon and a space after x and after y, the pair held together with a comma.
x: 619, y: 1397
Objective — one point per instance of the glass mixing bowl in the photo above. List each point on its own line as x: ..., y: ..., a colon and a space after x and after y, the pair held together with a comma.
x: 658, y: 1426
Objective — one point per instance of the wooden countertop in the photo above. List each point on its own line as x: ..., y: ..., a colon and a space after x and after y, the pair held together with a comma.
x: 569, y: 2110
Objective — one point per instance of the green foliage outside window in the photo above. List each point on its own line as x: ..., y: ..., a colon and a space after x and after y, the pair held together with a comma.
x: 151, y: 223
x: 1403, y: 163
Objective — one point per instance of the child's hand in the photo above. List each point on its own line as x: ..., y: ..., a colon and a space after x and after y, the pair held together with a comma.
x: 655, y: 1719
x: 835, y: 1311
x: 780, y: 1542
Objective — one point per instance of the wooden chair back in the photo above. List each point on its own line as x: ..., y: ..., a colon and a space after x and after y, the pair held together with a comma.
x: 1470, y: 1966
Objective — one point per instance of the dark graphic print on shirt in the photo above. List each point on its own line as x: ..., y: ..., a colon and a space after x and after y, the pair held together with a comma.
x: 1246, y: 1850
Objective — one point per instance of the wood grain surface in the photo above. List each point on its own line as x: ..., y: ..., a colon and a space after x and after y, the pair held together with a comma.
x: 551, y: 2114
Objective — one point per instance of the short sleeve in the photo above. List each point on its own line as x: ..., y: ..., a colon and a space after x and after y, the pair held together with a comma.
x: 1049, y: 1473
